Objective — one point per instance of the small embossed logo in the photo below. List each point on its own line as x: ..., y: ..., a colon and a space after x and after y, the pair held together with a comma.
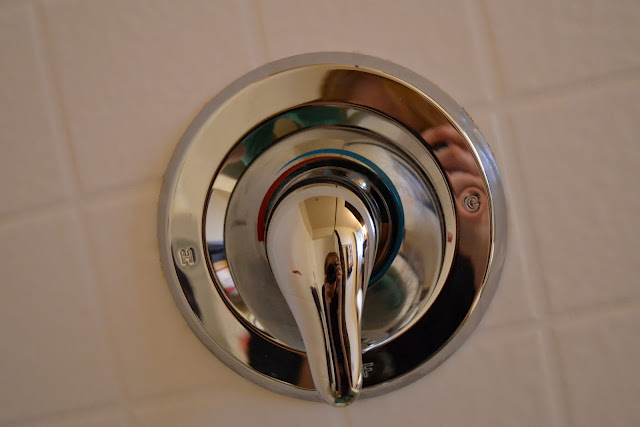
x: 187, y: 257
x: 367, y: 368
x: 472, y: 203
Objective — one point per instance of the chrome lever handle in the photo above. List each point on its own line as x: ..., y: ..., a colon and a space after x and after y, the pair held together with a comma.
x: 321, y: 244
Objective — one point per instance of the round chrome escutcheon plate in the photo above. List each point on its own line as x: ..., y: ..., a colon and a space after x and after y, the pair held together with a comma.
x: 366, y: 124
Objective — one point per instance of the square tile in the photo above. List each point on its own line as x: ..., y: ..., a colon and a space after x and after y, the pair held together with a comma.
x: 493, y: 379
x: 55, y: 356
x: 431, y: 38
x: 157, y: 350
x: 30, y: 171
x: 133, y: 74
x: 580, y: 161
x: 600, y: 357
x: 554, y: 43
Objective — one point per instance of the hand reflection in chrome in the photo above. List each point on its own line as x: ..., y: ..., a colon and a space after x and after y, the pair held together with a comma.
x: 461, y: 169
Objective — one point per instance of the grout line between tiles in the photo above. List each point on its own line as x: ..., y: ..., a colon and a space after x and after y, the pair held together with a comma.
x: 34, y: 214
x: 510, y: 160
x: 112, y: 194
x: 554, y: 372
x: 558, y: 401
x: 596, y: 310
x: 522, y: 209
x: 529, y: 259
x: 485, y: 41
x: 553, y: 94
x: 56, y: 106
x: 569, y: 316
x: 255, y: 32
x: 98, y: 197
x: 34, y: 209
x: 485, y: 54
x: 262, y: 34
x: 64, y: 415
x: 584, y: 87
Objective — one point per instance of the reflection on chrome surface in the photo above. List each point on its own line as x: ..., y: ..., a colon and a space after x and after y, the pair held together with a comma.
x: 337, y: 249
x: 321, y: 241
x: 411, y: 245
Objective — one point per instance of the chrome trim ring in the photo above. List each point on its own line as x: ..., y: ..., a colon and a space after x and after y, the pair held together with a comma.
x: 475, y: 246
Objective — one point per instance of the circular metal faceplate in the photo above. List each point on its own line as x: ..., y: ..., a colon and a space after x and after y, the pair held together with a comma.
x: 372, y: 108
x: 409, y: 270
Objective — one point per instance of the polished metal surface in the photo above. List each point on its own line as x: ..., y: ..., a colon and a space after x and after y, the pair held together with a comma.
x: 321, y: 164
x: 321, y: 242
x: 412, y: 262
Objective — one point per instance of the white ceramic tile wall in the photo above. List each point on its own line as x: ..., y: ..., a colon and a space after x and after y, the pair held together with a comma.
x: 94, y: 96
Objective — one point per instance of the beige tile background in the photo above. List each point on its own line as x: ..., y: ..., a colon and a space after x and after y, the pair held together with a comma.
x: 94, y: 96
